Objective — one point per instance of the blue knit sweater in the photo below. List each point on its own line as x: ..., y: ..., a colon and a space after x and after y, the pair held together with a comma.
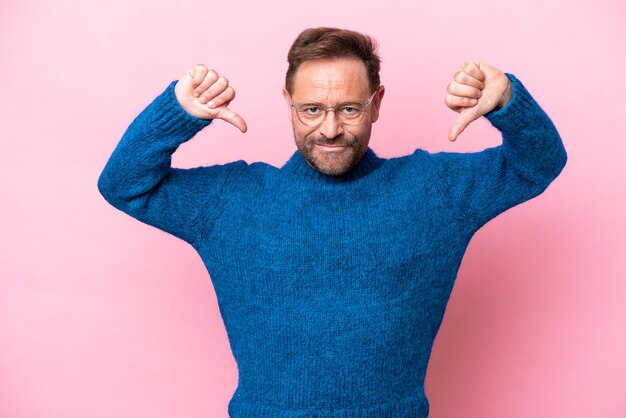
x: 331, y: 288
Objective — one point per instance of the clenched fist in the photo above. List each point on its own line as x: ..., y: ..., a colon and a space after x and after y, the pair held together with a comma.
x: 206, y: 95
x: 474, y: 91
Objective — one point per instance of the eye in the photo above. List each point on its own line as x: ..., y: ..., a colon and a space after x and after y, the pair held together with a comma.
x: 310, y: 110
x: 350, y: 111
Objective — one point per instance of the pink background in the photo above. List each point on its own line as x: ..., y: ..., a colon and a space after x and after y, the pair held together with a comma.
x: 102, y: 316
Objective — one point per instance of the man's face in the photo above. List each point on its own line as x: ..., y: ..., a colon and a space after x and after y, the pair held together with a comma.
x: 333, y: 148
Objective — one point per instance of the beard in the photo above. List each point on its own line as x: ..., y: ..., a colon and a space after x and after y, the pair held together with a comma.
x: 332, y: 163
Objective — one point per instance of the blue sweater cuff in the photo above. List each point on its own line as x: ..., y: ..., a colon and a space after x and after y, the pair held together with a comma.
x: 514, y: 115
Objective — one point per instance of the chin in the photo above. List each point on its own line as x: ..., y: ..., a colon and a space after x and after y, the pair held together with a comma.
x: 334, y: 165
x: 333, y: 171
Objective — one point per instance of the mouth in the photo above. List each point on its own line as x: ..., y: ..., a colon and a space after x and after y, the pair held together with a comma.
x: 331, y: 148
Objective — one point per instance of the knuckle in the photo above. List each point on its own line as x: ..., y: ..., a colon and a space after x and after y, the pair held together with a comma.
x: 211, y: 75
x: 200, y: 68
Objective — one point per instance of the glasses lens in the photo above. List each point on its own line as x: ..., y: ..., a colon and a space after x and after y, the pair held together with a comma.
x: 350, y: 113
x: 310, y: 114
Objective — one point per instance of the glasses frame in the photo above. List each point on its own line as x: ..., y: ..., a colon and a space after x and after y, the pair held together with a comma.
x: 364, y: 103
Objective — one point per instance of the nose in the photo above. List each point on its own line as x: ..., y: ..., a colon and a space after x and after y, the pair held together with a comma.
x: 331, y: 127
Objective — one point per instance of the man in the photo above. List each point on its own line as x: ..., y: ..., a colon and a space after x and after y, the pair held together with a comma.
x: 332, y: 272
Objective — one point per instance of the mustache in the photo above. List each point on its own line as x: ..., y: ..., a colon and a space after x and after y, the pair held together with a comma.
x: 337, y: 141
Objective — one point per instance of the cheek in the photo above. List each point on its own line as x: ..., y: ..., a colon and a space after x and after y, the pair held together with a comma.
x: 304, y: 133
x: 358, y: 132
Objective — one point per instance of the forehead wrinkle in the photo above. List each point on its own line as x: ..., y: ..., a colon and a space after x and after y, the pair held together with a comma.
x: 340, y: 90
x: 321, y: 89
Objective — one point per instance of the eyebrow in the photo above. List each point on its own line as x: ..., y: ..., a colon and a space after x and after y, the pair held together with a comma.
x: 338, y: 104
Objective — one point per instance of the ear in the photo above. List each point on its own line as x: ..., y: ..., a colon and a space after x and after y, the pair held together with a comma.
x: 376, y: 104
x: 287, y: 97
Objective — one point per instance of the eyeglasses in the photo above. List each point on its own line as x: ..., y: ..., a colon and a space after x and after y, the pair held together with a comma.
x: 347, y: 113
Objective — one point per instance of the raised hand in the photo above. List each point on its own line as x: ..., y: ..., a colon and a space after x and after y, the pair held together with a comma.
x: 474, y: 91
x: 206, y: 95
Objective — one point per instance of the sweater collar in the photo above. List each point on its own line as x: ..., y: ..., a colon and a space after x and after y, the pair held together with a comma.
x: 300, y: 167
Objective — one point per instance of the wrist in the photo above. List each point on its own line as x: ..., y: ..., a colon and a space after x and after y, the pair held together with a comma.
x: 507, y: 95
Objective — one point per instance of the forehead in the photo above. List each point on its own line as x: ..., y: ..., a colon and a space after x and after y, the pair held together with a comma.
x: 337, y: 79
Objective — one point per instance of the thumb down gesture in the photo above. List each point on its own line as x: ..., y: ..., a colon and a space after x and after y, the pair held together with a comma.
x: 205, y: 94
x: 474, y: 91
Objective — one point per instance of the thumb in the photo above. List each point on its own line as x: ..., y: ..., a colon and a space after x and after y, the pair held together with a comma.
x: 234, y: 119
x: 461, y: 122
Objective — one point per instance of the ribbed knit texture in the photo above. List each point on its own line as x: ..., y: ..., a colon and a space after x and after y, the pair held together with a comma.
x: 332, y: 288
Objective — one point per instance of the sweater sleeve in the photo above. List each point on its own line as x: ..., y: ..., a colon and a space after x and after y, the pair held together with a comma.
x: 138, y: 178
x: 481, y: 185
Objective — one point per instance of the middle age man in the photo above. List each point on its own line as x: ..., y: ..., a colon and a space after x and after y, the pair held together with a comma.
x: 332, y: 272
